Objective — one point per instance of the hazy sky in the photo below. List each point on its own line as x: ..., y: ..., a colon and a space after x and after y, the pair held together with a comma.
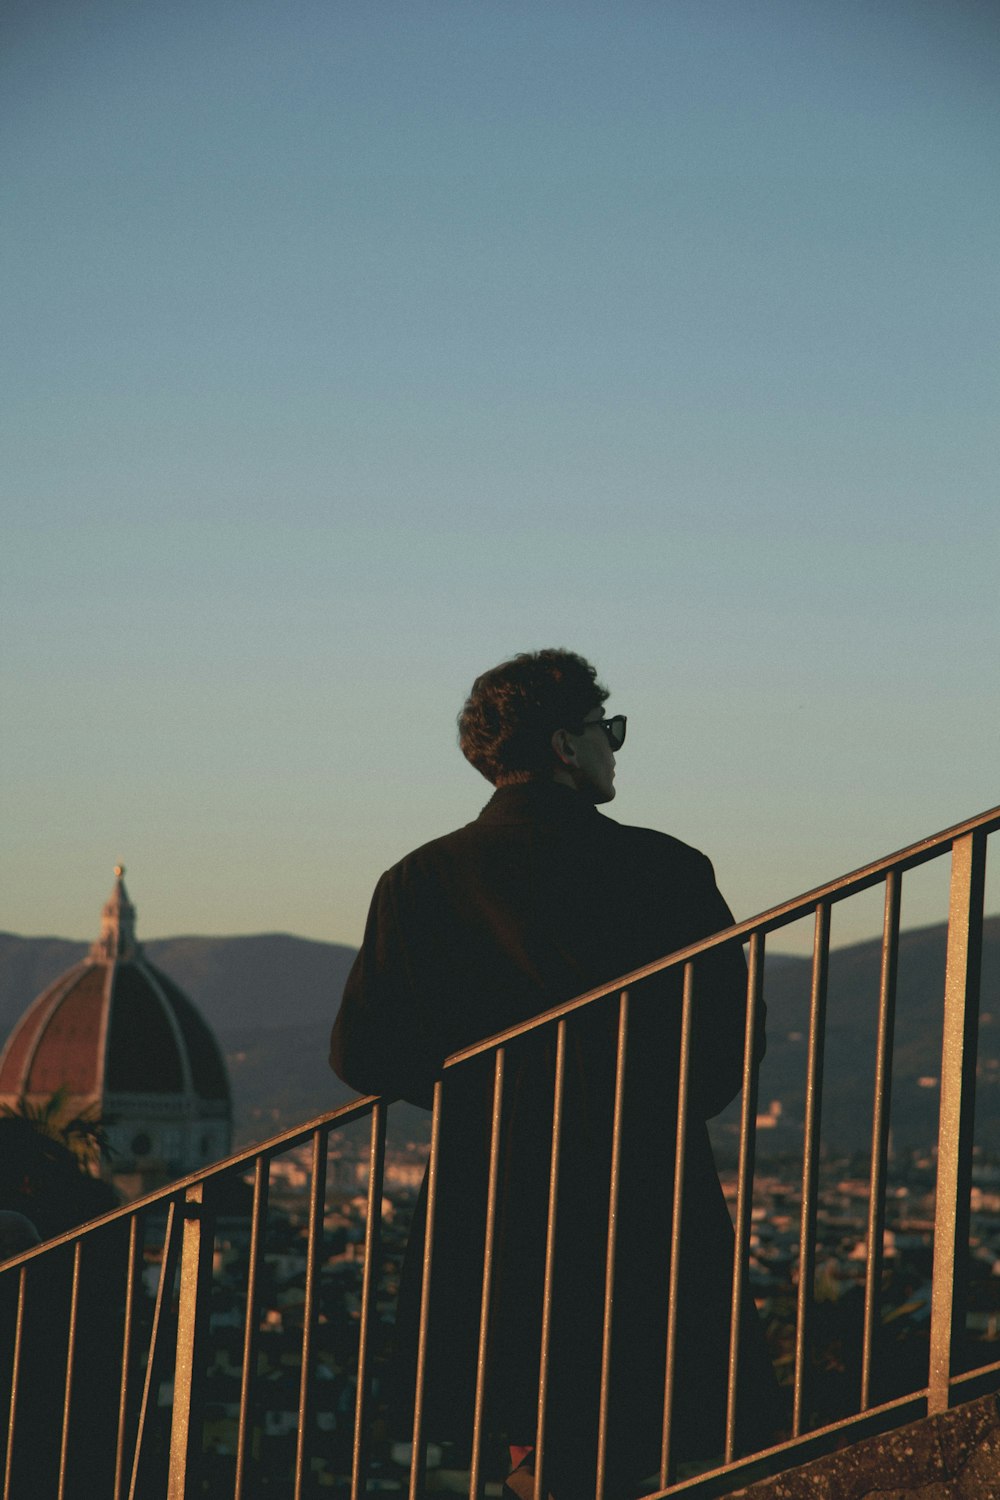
x: 350, y: 347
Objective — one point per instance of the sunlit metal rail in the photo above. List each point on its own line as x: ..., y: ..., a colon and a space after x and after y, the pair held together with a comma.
x: 160, y: 1357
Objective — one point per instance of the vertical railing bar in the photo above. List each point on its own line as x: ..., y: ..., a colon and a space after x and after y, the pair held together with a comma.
x: 880, y: 1128
x: 676, y: 1226
x: 251, y: 1324
x: 810, y: 1157
x: 475, y: 1466
x: 127, y: 1325
x: 192, y: 1315
x: 15, y: 1371
x: 960, y: 1032
x: 744, y: 1189
x: 558, y: 1089
x: 317, y: 1206
x: 614, y: 1185
x: 369, y: 1287
x: 164, y: 1296
x: 417, y: 1454
x: 74, y: 1307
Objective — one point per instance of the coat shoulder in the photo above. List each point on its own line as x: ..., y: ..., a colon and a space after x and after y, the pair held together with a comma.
x: 660, y: 846
x: 466, y: 847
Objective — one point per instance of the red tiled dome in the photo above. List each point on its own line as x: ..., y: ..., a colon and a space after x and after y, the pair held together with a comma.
x: 56, y: 1042
x: 122, y: 1039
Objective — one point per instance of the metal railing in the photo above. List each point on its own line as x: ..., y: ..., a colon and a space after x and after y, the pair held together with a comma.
x: 84, y: 1291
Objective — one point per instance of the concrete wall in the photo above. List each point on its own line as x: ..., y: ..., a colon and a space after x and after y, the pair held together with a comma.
x: 955, y: 1456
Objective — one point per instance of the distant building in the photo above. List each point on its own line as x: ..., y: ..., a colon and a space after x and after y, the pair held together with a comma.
x: 125, y: 1043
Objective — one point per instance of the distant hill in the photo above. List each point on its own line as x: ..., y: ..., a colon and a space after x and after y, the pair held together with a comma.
x: 272, y: 998
x: 849, y: 1064
x: 235, y: 981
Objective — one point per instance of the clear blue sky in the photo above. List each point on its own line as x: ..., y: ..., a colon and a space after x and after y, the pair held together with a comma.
x: 350, y: 347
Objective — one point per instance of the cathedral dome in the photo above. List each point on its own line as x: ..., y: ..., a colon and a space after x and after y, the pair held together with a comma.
x: 122, y: 1040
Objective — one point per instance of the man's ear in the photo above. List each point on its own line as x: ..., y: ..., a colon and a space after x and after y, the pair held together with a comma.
x: 564, y: 748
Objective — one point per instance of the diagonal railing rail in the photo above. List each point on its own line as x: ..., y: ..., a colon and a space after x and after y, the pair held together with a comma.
x: 79, y: 1304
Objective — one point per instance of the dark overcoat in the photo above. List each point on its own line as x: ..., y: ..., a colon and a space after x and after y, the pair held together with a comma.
x: 542, y: 898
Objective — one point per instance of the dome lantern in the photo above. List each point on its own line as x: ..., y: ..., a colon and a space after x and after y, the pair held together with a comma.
x: 117, y: 939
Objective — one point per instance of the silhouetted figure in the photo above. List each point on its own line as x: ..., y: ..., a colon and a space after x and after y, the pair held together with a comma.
x: 540, y: 899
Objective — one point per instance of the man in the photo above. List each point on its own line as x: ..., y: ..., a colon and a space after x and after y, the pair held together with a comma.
x: 538, y: 900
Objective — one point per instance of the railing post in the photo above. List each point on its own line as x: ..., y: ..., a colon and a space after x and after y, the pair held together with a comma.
x: 614, y: 1185
x: 310, y: 1311
x: 251, y: 1324
x: 185, y: 1431
x: 417, y: 1455
x: 74, y: 1310
x: 880, y: 1130
x: 810, y: 1165
x: 744, y: 1189
x: 369, y: 1306
x: 131, y: 1285
x: 558, y: 1094
x: 485, y: 1304
x: 15, y: 1375
x: 957, y: 1118
x: 667, y: 1445
x: 157, y: 1340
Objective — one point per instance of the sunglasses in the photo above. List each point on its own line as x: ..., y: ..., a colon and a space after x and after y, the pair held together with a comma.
x: 614, y: 729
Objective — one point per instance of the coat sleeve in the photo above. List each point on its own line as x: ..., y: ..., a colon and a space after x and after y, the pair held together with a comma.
x: 383, y: 1040
x: 720, y: 1000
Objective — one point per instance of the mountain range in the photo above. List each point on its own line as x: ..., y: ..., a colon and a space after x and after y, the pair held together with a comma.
x: 271, y: 999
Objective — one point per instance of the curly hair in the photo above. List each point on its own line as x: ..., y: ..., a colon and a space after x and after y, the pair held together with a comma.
x: 506, y: 726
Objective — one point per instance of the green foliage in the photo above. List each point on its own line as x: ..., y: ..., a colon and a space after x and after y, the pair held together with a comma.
x: 84, y: 1136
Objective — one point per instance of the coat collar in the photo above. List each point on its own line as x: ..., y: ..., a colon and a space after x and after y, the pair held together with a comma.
x: 537, y: 802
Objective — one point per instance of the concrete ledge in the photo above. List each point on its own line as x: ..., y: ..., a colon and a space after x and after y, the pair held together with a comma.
x: 954, y: 1456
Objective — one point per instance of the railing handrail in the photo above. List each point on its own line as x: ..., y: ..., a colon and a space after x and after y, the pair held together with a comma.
x: 273, y: 1146
x: 767, y: 921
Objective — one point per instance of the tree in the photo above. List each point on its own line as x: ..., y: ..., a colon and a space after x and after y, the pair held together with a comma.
x: 48, y: 1165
